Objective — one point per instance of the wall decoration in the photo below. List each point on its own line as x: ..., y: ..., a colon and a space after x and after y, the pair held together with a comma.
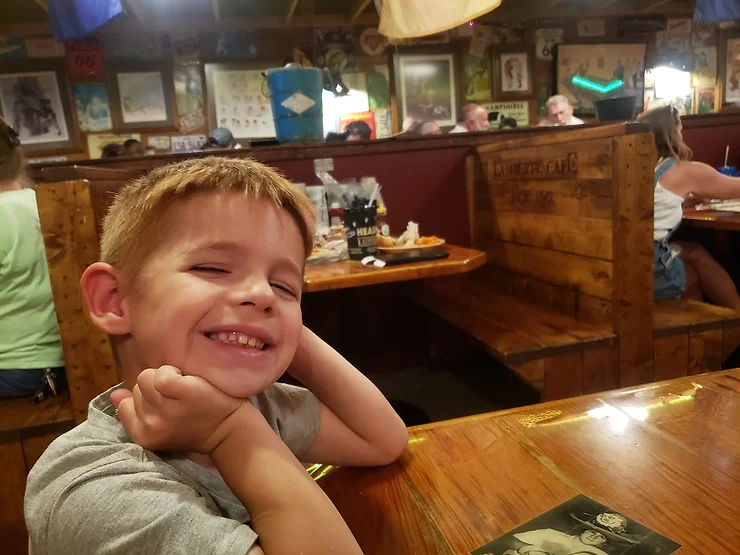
x: 133, y: 47
x: 705, y: 67
x: 382, y: 123
x: 12, y: 47
x: 513, y: 74
x: 372, y: 42
x: 732, y: 73
x: 93, y: 108
x: 705, y: 99
x: 680, y: 26
x: 238, y: 100
x: 518, y: 110
x: 367, y: 117
x: 185, y: 47
x: 335, y: 51
x: 142, y: 97
x: 674, y: 47
x: 96, y: 142
x: 640, y: 26
x: 477, y: 78
x: 228, y: 45
x: 32, y: 104
x: 427, y: 85
x: 507, y: 33
x: 378, y: 86
x: 160, y: 142
x: 47, y: 47
x: 591, y: 27
x: 187, y: 143
x: 704, y: 34
x: 545, y: 41
x: 84, y: 57
x: 189, y: 97
x: 589, y: 72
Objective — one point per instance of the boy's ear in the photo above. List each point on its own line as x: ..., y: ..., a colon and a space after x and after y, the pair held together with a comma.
x: 101, y: 288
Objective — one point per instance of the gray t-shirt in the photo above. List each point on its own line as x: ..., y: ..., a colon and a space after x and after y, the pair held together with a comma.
x: 94, y: 491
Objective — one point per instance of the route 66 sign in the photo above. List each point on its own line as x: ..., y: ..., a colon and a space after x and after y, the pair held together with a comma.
x: 545, y: 40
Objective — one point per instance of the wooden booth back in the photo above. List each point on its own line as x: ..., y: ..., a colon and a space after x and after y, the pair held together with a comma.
x: 566, y: 222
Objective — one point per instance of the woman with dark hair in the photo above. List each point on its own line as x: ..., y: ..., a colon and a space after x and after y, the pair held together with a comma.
x: 358, y: 131
x: 685, y: 268
x: 30, y: 347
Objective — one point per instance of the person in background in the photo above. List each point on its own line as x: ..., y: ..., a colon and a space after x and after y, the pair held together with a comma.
x: 151, y: 151
x: 134, y: 148
x: 507, y: 123
x: 220, y: 139
x: 685, y: 268
x: 428, y: 128
x: 559, y: 112
x: 474, y: 118
x: 334, y: 137
x: 30, y: 346
x: 358, y: 131
x: 113, y: 150
x: 197, y: 451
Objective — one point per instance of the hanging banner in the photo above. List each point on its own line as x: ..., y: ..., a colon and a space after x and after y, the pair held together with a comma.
x: 518, y: 110
x: 84, y: 57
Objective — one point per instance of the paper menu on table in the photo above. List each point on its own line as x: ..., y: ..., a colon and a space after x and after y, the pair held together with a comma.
x: 732, y: 205
x: 241, y: 105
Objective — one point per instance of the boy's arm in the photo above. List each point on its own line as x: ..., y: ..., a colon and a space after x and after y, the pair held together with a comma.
x: 288, y: 509
x: 358, y: 425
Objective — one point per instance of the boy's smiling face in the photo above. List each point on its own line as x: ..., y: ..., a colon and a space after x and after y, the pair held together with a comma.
x: 220, y: 295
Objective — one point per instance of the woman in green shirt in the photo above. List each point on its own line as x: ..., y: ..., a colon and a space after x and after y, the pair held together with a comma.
x: 30, y: 347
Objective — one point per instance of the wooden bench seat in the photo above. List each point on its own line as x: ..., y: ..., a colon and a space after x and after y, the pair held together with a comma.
x: 691, y: 337
x: 557, y: 355
x: 26, y: 430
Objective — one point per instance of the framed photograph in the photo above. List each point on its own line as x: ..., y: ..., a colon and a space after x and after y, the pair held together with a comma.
x: 732, y: 75
x: 142, y: 96
x: 93, y: 109
x: 477, y: 78
x: 238, y: 99
x: 37, y: 104
x: 585, y: 73
x: 705, y: 67
x: 426, y: 83
x: 513, y: 75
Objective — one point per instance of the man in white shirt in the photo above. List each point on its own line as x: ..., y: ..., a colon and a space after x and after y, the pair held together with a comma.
x: 559, y: 112
x: 473, y: 118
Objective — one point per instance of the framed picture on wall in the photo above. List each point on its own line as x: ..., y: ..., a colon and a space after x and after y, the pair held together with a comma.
x: 37, y: 104
x: 585, y: 73
x: 477, y: 78
x: 513, y: 75
x: 426, y: 87
x: 732, y: 74
x: 238, y: 99
x: 141, y: 96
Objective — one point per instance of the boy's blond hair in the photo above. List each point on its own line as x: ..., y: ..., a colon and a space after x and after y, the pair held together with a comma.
x: 135, y: 218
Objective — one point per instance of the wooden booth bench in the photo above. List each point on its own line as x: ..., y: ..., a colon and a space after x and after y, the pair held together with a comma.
x: 566, y: 299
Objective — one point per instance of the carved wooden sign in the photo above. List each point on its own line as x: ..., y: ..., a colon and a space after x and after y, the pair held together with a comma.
x: 562, y: 167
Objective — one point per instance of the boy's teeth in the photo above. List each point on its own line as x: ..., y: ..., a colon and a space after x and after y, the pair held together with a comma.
x: 238, y: 338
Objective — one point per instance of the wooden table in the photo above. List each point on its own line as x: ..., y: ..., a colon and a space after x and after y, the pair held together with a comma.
x: 666, y: 455
x: 712, y: 219
x: 351, y: 273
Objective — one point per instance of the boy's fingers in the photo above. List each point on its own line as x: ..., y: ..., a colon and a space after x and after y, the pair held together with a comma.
x: 119, y: 395
x: 170, y: 382
x: 145, y: 382
x: 127, y: 415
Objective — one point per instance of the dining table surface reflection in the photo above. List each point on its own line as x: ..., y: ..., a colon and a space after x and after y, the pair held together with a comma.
x: 665, y: 454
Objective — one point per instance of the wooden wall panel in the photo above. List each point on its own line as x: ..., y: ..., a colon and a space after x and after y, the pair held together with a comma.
x: 705, y: 352
x: 563, y: 376
x: 12, y: 488
x: 600, y: 370
x: 671, y: 357
x: 632, y: 314
x: 586, y: 275
x: 585, y: 237
x: 71, y: 237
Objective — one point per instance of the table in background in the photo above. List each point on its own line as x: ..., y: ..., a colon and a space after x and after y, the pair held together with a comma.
x: 666, y: 455
x: 351, y: 273
x: 712, y: 219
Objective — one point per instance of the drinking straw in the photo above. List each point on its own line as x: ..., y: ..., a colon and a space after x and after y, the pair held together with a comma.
x: 727, y: 154
x: 372, y: 197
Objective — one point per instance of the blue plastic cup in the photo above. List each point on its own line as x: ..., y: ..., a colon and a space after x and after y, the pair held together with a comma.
x: 728, y: 170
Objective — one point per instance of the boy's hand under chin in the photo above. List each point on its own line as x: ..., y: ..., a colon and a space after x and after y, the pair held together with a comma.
x: 167, y: 411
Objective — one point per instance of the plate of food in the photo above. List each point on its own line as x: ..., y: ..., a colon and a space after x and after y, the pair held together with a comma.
x: 390, y: 244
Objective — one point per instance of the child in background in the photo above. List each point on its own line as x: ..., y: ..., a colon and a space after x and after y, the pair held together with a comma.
x: 198, y: 450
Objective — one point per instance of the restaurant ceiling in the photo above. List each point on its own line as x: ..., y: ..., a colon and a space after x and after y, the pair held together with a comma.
x: 29, y: 17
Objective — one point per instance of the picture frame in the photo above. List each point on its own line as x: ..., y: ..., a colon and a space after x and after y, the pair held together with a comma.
x: 141, y: 96
x: 477, y: 85
x: 48, y: 125
x: 587, y: 72
x: 427, y: 87
x: 245, y: 104
x: 513, y: 74
x: 732, y: 71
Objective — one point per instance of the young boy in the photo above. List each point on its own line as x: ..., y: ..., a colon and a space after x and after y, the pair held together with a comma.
x: 197, y: 450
